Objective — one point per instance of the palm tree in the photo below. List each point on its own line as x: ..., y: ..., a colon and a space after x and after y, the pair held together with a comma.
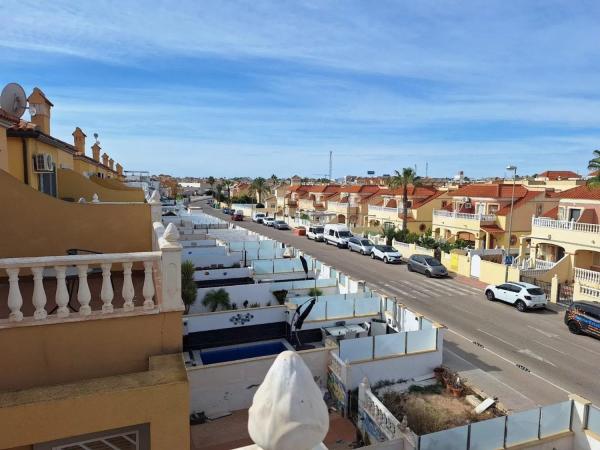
x: 594, y: 166
x: 407, y: 177
x: 219, y: 189
x: 214, y: 300
x: 188, y: 285
x: 211, y: 181
x: 259, y: 187
x: 227, y: 184
x: 274, y: 179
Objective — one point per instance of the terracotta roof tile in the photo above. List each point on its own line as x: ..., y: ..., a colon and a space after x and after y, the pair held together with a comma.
x: 530, y: 195
x: 580, y: 193
x: 559, y: 174
x: 492, y: 190
x: 552, y: 213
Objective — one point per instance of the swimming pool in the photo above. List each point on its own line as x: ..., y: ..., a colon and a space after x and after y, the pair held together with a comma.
x: 244, y: 351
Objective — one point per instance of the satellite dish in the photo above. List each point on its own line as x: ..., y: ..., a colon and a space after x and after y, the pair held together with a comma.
x: 13, y: 100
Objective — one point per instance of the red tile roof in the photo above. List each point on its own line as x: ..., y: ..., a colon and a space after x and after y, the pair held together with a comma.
x: 580, y: 193
x: 530, y: 195
x: 558, y: 174
x: 552, y: 213
x: 492, y: 190
x: 492, y: 229
x: 4, y: 115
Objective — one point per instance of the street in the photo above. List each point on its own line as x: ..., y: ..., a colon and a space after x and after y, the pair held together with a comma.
x: 531, y: 356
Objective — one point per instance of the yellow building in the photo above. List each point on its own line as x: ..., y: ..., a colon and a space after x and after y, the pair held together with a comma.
x: 566, y: 242
x: 90, y: 305
x: 481, y: 214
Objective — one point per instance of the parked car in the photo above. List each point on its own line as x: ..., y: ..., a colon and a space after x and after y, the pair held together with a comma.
x: 583, y: 318
x: 337, y: 234
x: 523, y: 295
x: 427, y: 265
x: 258, y: 217
x: 238, y: 215
x: 226, y: 210
x: 268, y: 221
x: 360, y: 245
x: 281, y: 225
x: 315, y: 232
x: 387, y: 254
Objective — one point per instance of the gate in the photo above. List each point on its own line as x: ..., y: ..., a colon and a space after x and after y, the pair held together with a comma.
x: 544, y: 285
x: 475, y: 266
x: 565, y: 294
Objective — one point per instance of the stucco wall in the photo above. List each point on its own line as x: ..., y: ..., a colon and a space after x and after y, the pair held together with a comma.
x: 41, y: 225
x: 158, y: 396
x: 74, y: 185
x: 40, y: 355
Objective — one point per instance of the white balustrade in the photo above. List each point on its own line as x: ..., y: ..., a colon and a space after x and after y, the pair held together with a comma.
x: 585, y: 276
x: 464, y: 216
x: 391, y: 427
x: 590, y: 291
x: 68, y: 270
x: 544, y: 222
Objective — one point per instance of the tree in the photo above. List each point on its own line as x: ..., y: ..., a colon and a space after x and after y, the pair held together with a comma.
x: 227, y: 184
x: 389, y: 233
x: 403, y: 179
x: 214, y: 300
x: 259, y: 187
x: 594, y: 166
x: 219, y: 189
x: 211, y: 181
x: 188, y: 285
x: 274, y: 179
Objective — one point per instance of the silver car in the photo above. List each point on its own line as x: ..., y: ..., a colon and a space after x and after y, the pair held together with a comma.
x: 427, y: 265
x: 360, y: 245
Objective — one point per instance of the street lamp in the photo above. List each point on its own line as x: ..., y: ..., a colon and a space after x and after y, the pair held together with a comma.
x: 513, y: 169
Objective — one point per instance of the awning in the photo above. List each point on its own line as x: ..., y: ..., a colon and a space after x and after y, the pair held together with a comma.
x: 492, y: 229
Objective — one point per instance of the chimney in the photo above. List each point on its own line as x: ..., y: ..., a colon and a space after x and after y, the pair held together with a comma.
x: 96, y: 151
x: 79, y: 140
x: 119, y: 170
x: 42, y: 107
x: 105, y: 159
x: 111, y: 164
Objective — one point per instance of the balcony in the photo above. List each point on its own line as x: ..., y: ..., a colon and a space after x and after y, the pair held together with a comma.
x: 461, y: 221
x: 587, y: 277
x: 580, y: 235
x: 384, y: 213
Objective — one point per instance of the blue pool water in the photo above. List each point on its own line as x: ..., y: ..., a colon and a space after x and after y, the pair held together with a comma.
x: 242, y: 352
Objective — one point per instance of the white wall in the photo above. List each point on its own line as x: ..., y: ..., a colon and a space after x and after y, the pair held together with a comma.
x: 231, y: 386
x: 254, y: 293
x: 222, y: 274
x: 219, y: 320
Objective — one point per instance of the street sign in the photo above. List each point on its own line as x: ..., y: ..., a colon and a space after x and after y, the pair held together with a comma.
x: 508, y: 260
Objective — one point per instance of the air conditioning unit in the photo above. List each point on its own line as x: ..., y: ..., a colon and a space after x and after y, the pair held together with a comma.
x: 43, y: 162
x: 466, y: 200
x: 467, y: 205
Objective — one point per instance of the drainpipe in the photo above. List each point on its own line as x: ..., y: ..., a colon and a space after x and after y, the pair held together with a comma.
x: 25, y: 161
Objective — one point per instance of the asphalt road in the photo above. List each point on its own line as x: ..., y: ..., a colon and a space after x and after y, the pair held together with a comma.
x: 531, y: 355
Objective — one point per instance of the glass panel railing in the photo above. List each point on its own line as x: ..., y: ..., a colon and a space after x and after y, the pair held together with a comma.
x: 366, y: 306
x: 426, y: 324
x: 420, y: 341
x: 262, y: 267
x: 356, y: 349
x: 339, y: 308
x: 593, y: 421
x: 488, y: 434
x: 452, y: 439
x: 522, y: 427
x: 555, y: 418
x: 236, y: 246
x: 390, y: 344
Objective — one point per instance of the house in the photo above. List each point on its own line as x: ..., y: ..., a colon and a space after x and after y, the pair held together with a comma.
x: 565, y: 241
x: 481, y: 214
x: 559, y: 180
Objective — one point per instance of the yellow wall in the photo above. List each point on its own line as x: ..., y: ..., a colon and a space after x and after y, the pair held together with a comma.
x: 113, y: 183
x: 493, y: 273
x: 41, y: 225
x: 158, y: 396
x: 3, y: 149
x: 74, y: 186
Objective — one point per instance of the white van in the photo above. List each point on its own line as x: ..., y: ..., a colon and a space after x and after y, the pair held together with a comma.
x: 258, y: 217
x: 337, y: 234
x: 315, y: 232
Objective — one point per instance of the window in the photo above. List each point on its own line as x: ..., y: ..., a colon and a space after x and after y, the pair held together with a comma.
x: 574, y: 214
x: 493, y: 208
x: 444, y: 203
x: 561, y: 213
x: 47, y: 182
x: 538, y: 209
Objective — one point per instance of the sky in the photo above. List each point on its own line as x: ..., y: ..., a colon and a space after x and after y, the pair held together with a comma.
x: 252, y: 88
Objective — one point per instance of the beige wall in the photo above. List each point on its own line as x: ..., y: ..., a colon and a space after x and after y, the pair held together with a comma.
x: 41, y: 225
x: 74, y: 186
x: 55, y: 353
x: 159, y: 397
x: 3, y: 149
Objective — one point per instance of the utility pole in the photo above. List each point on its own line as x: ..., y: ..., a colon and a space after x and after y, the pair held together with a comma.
x: 426, y: 169
x: 330, y: 163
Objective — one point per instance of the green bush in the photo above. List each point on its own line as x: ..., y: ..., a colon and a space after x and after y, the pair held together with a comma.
x: 315, y: 292
x: 280, y: 295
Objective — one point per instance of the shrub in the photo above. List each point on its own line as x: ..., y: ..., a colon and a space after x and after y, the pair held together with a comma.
x: 254, y: 305
x: 315, y: 292
x: 189, y: 289
x: 215, y: 299
x: 280, y: 296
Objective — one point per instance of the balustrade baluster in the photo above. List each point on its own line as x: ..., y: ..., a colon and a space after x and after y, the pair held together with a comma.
x: 83, y: 292
x: 15, y: 300
x: 106, y: 294
x: 62, y: 294
x: 148, y: 289
x: 39, y: 294
x: 128, y: 292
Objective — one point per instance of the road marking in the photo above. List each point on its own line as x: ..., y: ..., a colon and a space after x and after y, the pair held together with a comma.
x: 500, y: 339
x: 407, y: 294
x: 584, y: 348
x: 545, y: 333
x: 550, y: 347
x: 528, y: 352
x: 408, y: 286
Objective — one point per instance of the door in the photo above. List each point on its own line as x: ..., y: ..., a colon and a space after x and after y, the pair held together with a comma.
x: 475, y: 266
x: 504, y: 292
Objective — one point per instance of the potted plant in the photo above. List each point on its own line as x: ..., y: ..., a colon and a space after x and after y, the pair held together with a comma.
x: 315, y: 292
x: 439, y: 373
x: 280, y: 295
x: 215, y: 299
x: 189, y: 289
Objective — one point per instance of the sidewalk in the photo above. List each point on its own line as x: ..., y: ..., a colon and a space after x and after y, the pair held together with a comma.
x: 474, y: 282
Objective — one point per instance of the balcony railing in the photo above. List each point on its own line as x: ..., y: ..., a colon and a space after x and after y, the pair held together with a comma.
x: 566, y: 225
x: 373, y: 208
x: 585, y: 276
x: 464, y: 216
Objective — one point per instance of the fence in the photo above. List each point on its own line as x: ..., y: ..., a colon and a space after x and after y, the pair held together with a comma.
x: 543, y: 285
x: 340, y: 306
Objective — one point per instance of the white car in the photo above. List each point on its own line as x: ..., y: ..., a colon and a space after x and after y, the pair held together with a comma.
x: 523, y: 295
x: 258, y: 217
x: 387, y: 254
x: 315, y: 232
x: 268, y: 221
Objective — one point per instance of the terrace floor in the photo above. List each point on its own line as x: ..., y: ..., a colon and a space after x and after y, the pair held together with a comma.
x: 232, y: 432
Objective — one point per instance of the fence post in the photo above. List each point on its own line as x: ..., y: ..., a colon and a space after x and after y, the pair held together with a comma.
x: 554, y: 289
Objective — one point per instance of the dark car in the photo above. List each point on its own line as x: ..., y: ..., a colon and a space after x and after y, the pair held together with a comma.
x: 226, y: 210
x: 583, y: 318
x: 427, y: 265
x: 281, y: 225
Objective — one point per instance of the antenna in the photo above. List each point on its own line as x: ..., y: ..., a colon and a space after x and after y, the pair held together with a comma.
x: 426, y: 169
x: 13, y: 100
x: 330, y: 163
x: 96, y: 137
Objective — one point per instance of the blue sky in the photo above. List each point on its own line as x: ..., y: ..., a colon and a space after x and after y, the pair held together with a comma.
x: 230, y: 88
